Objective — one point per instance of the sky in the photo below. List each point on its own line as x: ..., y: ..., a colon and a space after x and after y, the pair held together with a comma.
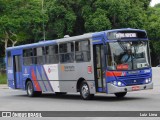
x: 153, y: 2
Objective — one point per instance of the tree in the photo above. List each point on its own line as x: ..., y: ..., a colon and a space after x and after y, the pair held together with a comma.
x: 61, y: 18
x: 153, y: 29
x: 157, y: 5
x: 20, y: 20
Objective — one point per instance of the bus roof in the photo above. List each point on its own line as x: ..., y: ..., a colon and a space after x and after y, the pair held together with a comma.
x: 56, y: 41
x: 49, y: 42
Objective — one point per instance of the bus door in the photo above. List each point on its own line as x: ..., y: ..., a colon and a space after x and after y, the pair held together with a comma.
x: 99, y: 67
x: 17, y: 68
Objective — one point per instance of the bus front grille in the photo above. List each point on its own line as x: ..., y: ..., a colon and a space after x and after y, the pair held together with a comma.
x: 134, y: 79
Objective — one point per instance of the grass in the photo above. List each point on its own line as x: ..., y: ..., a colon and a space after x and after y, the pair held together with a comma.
x: 3, y: 79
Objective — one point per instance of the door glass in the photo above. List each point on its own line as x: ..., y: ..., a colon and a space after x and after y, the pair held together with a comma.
x: 99, y: 71
x: 18, y: 64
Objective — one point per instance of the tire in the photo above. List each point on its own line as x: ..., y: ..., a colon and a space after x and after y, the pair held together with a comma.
x: 30, y: 90
x: 85, y: 92
x: 120, y: 95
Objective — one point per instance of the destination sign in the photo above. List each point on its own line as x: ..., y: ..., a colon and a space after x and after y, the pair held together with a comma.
x: 125, y: 35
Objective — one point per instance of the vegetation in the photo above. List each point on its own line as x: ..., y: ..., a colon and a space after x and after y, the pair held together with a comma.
x: 22, y: 21
x: 3, y: 79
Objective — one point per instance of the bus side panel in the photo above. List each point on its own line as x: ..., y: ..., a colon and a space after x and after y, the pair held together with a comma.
x: 43, y: 79
x: 64, y: 77
x: 29, y: 72
x: 26, y: 73
x: 10, y: 77
x: 37, y: 74
x: 70, y: 73
x: 51, y: 75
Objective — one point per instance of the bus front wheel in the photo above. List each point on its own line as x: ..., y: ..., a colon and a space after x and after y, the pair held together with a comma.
x: 121, y: 94
x: 30, y: 90
x: 85, y: 92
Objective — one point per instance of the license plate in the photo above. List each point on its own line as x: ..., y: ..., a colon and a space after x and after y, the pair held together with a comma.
x: 134, y: 88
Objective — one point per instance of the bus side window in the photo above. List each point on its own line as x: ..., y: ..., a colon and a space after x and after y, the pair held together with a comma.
x: 27, y: 56
x: 38, y: 57
x: 66, y: 52
x: 82, y: 51
x: 9, y: 61
x: 52, y: 54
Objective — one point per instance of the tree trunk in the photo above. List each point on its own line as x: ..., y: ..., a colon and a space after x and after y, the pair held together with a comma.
x: 13, y: 43
x: 6, y: 41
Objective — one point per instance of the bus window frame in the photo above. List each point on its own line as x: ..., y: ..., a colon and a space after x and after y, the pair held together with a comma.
x: 27, y: 56
x: 9, y: 59
x: 89, y: 50
x: 65, y: 53
x: 48, y: 55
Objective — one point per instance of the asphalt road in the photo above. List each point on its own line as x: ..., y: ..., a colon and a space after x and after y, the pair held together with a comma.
x: 17, y: 100
x: 148, y: 100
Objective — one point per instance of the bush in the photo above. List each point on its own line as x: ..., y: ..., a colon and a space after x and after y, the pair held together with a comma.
x: 3, y: 79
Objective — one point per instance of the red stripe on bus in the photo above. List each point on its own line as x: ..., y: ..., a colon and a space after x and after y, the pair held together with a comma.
x: 117, y: 73
x: 110, y: 74
x: 35, y: 81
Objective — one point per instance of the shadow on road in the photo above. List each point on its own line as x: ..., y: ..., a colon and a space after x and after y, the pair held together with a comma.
x: 77, y: 97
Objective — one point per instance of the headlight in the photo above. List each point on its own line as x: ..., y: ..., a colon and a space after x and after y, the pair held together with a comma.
x: 148, y: 80
x: 118, y: 83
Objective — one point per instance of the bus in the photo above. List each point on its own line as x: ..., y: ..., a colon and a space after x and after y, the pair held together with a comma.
x: 114, y: 61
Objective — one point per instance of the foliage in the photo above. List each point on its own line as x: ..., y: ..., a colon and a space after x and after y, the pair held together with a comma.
x: 21, y: 21
x: 3, y: 79
x: 153, y: 29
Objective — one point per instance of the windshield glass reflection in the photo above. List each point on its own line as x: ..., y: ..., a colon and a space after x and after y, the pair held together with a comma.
x: 127, y: 55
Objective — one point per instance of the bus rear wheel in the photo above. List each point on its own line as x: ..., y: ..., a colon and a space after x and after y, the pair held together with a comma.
x: 120, y: 95
x: 30, y: 90
x: 85, y: 92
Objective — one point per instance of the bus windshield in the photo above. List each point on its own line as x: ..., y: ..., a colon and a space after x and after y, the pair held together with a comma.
x: 130, y: 55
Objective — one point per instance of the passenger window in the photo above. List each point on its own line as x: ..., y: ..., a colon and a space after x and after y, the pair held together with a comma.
x: 38, y: 57
x: 52, y: 54
x: 27, y: 56
x: 66, y: 52
x: 82, y: 51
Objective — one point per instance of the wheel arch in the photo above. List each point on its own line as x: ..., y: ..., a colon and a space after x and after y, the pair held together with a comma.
x: 28, y: 79
x: 80, y: 80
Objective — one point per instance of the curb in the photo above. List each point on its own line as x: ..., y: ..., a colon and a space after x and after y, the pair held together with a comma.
x: 3, y: 86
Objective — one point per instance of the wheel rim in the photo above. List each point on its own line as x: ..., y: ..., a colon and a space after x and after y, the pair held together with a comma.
x: 85, y: 90
x: 30, y: 89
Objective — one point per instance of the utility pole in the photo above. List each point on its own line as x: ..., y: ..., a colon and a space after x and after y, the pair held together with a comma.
x: 44, y: 36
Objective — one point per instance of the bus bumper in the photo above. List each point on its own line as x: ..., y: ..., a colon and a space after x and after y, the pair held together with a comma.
x: 114, y: 89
